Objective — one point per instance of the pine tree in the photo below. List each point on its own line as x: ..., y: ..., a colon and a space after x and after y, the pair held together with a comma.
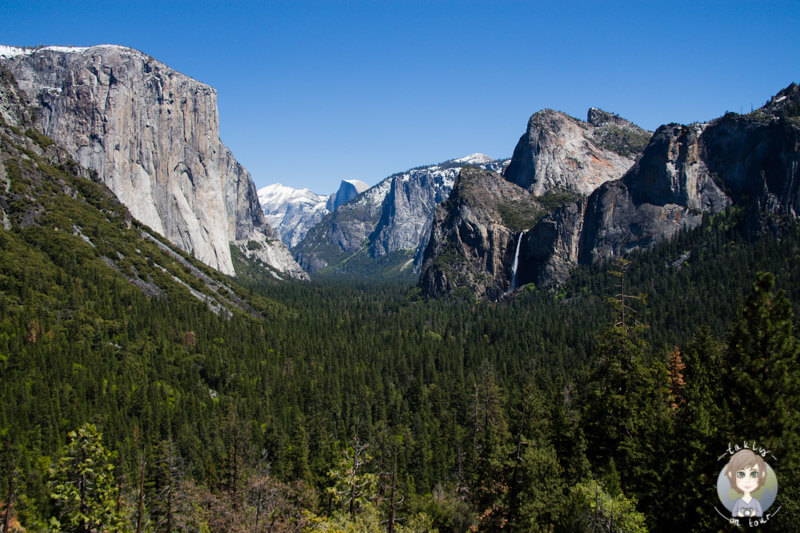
x: 762, y: 377
x: 351, y: 487
x: 535, y: 483
x: 84, y: 486
x: 697, y: 433
x: 592, y: 508
x: 487, y: 456
x: 677, y: 383
x: 626, y: 405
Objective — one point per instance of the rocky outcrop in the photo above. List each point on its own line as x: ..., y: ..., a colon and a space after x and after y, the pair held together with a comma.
x: 752, y: 161
x: 474, y: 235
x: 756, y: 158
x: 561, y: 153
x: 348, y: 189
x: 152, y: 136
x: 668, y: 190
x: 387, y: 226
x: 407, y: 210
x: 614, y: 133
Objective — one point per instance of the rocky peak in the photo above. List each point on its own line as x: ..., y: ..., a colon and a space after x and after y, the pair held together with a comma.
x: 476, y: 159
x: 562, y: 153
x: 597, y: 117
x: 348, y: 189
x: 291, y: 212
x: 152, y: 135
x: 475, y: 233
x: 786, y: 103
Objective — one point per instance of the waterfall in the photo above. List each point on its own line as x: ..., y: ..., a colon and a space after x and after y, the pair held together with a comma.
x: 515, y: 264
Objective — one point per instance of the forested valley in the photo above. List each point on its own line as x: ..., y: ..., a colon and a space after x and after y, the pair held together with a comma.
x: 603, y: 406
x: 143, y: 391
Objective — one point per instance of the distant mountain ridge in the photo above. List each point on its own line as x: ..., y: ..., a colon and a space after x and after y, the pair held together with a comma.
x: 152, y: 136
x: 383, y: 231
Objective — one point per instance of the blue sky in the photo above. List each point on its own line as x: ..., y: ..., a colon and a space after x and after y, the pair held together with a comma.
x: 312, y: 92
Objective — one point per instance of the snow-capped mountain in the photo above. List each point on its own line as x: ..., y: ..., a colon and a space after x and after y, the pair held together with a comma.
x: 292, y: 212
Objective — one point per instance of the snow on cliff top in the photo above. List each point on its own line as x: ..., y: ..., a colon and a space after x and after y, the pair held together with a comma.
x: 13, y: 51
x: 277, y: 194
x: 7, y: 52
x: 473, y: 159
x: 358, y: 184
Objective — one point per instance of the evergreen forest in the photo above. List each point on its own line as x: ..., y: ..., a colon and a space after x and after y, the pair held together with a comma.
x: 142, y: 391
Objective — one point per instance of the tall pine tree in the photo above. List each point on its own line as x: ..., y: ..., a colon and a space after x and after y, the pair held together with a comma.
x: 84, y: 485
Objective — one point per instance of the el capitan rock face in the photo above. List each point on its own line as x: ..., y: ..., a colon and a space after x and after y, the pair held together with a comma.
x: 152, y: 135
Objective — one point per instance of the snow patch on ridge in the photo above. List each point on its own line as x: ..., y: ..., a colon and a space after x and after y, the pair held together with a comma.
x: 358, y: 184
x: 474, y: 159
x: 7, y: 52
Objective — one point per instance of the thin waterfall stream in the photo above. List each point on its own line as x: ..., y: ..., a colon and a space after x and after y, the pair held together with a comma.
x: 515, y: 264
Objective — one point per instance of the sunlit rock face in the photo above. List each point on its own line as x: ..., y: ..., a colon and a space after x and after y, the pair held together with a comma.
x: 561, y: 153
x: 152, y: 136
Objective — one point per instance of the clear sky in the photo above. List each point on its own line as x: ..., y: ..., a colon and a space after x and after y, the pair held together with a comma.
x: 312, y: 92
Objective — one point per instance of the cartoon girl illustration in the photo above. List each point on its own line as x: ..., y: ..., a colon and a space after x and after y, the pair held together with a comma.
x: 746, y: 472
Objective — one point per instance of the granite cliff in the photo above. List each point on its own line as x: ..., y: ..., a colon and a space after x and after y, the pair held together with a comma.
x: 348, y: 189
x: 474, y: 235
x: 667, y: 190
x: 152, y: 136
x: 558, y: 152
x: 751, y: 161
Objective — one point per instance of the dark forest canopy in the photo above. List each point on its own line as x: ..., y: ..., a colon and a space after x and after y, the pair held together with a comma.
x: 372, y: 406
